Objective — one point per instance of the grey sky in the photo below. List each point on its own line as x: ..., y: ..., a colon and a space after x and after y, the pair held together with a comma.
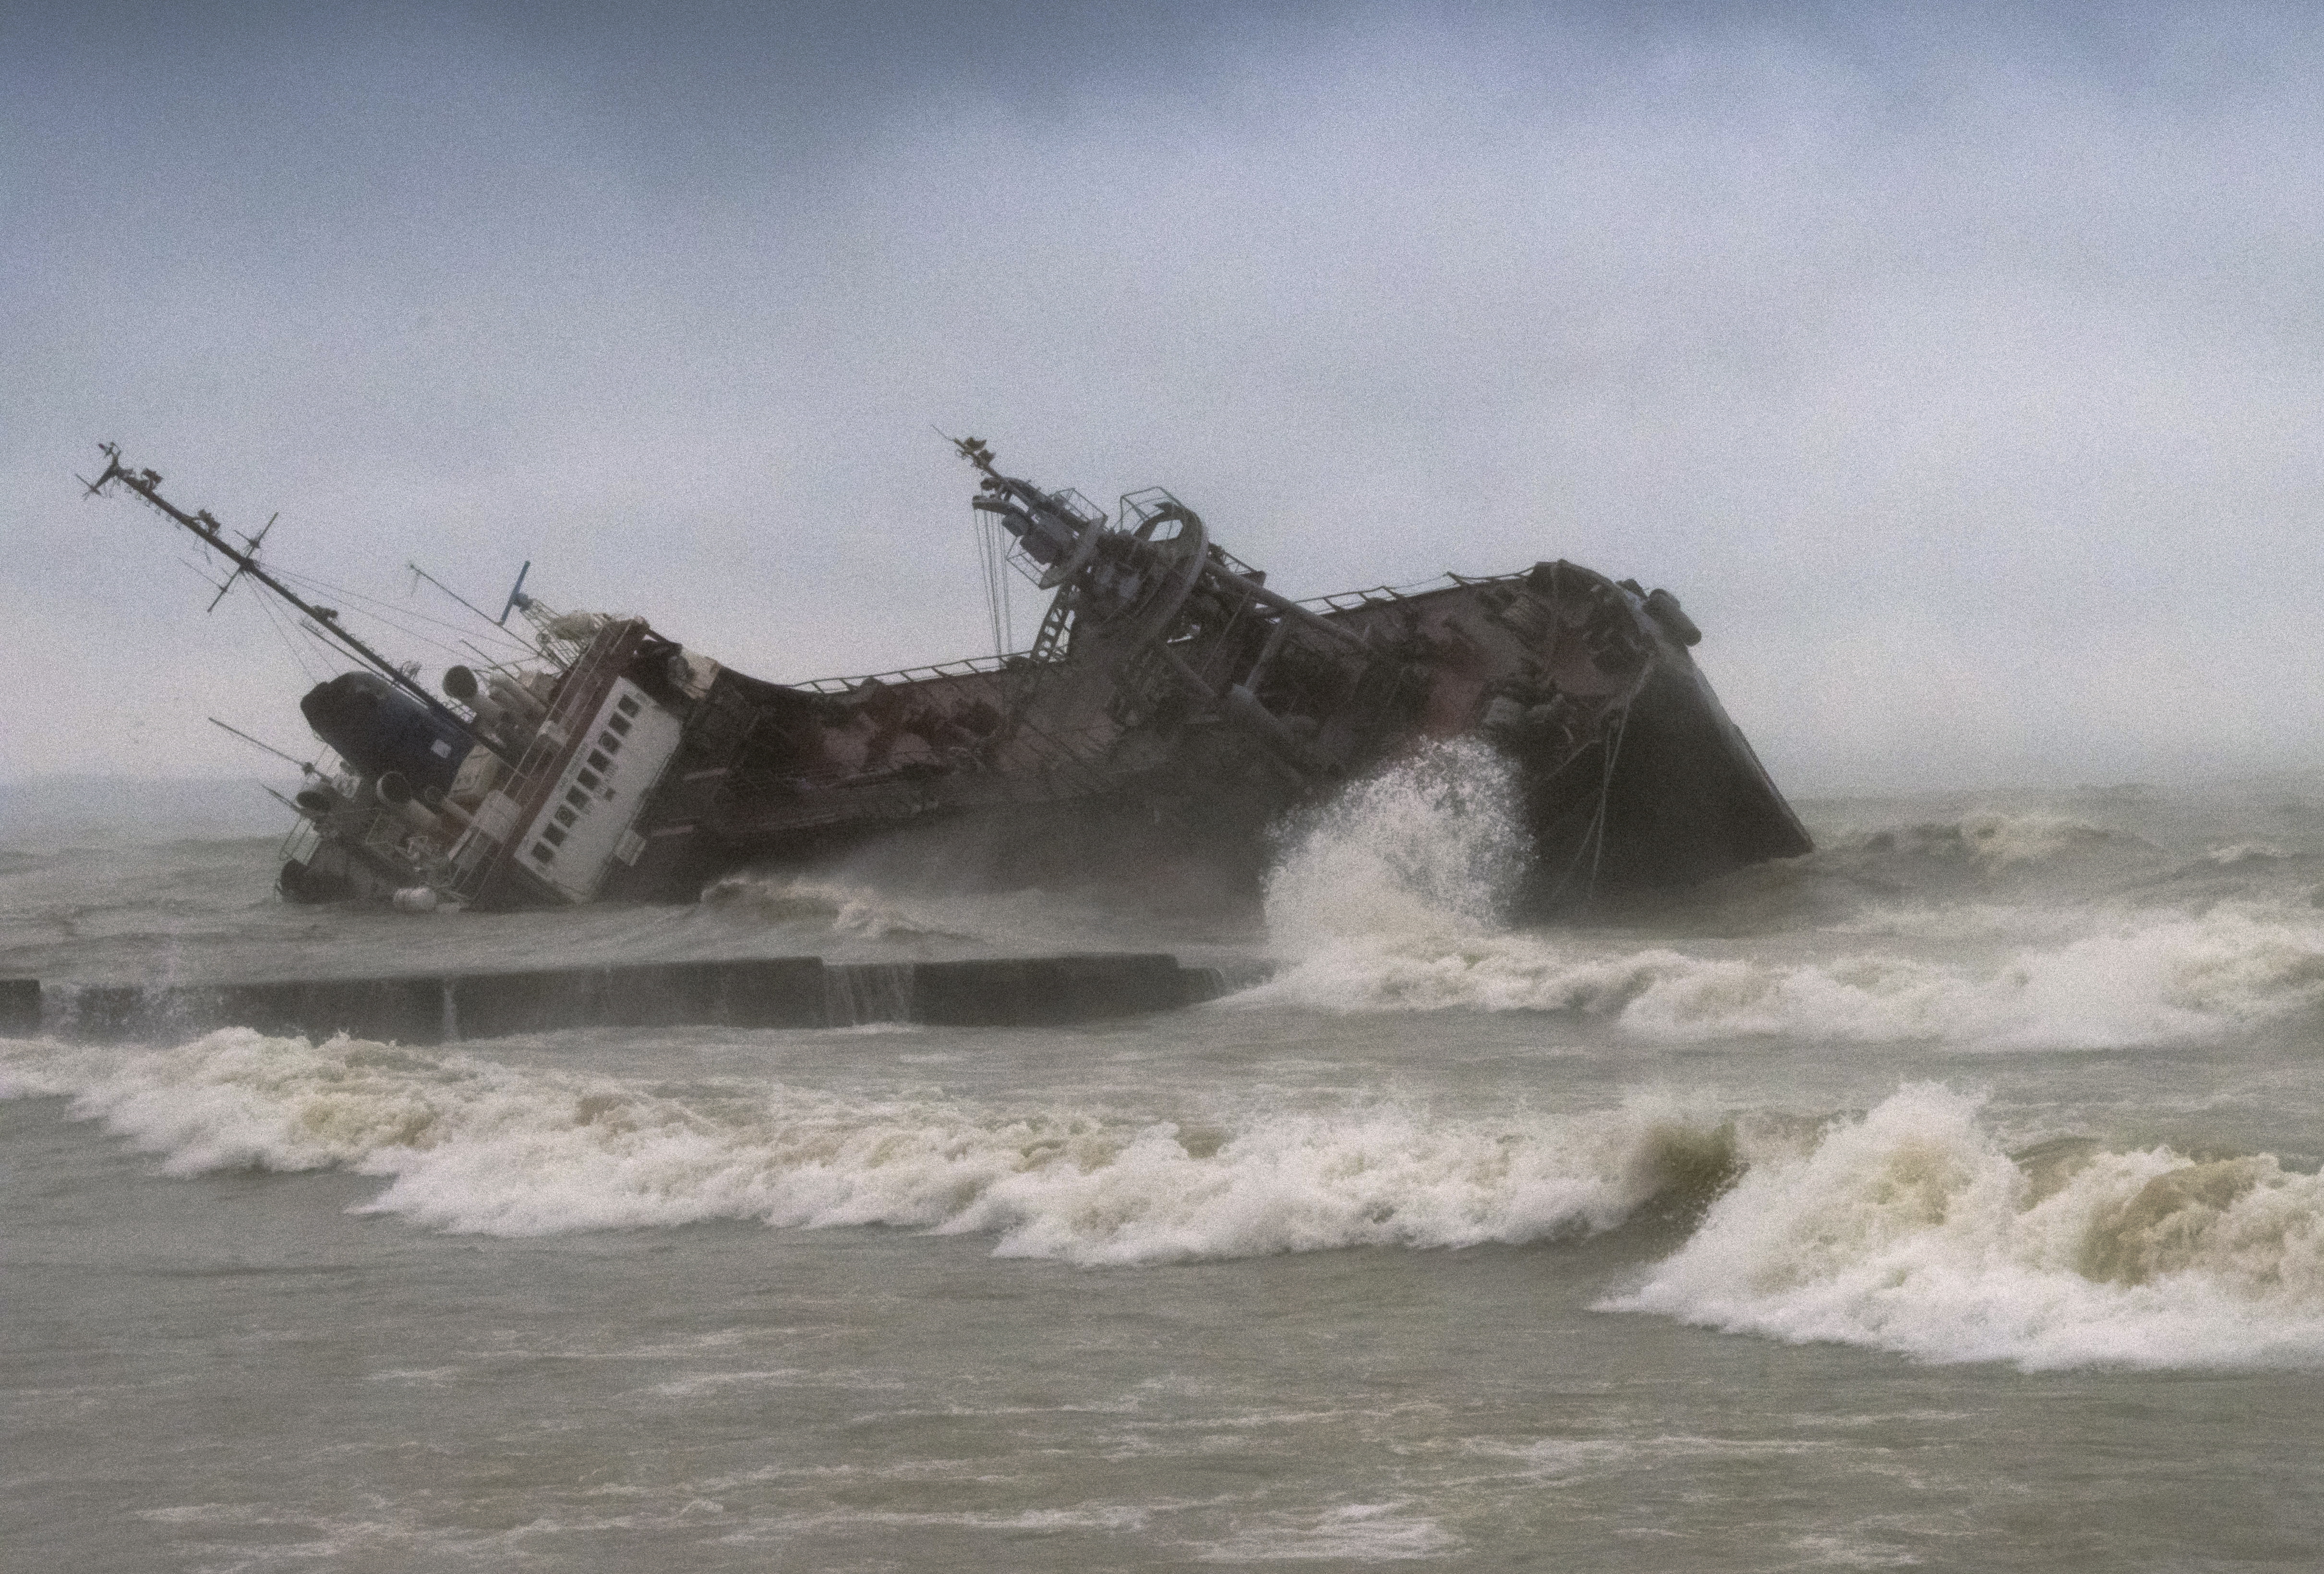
x: 1959, y: 368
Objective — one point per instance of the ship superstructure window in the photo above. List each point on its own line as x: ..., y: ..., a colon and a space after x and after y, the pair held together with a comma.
x: 583, y: 832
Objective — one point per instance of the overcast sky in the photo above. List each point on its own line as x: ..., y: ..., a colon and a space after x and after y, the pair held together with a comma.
x: 1963, y: 369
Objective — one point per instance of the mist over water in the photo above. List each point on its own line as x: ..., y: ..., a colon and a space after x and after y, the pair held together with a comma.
x: 1863, y: 1190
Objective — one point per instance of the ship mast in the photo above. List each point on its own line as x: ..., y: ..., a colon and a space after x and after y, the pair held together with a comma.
x: 147, y: 485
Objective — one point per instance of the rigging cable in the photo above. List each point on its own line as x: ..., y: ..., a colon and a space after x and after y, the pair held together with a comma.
x: 1593, y: 836
x: 298, y: 656
x: 388, y: 613
x: 993, y: 590
x: 1007, y: 638
x: 1605, y: 797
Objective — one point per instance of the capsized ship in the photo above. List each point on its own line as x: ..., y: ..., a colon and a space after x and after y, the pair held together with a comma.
x: 1170, y: 699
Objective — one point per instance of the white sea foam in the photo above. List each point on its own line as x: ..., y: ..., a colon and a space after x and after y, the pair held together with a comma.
x: 2147, y: 977
x: 1429, y: 847
x: 1389, y: 903
x: 863, y: 911
x: 2234, y: 852
x: 1357, y: 1533
x: 469, y: 1145
x: 1987, y: 841
x: 1911, y: 1229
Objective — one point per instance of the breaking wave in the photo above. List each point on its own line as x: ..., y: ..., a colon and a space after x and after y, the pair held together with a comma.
x: 1389, y: 903
x: 2146, y: 979
x: 2228, y: 856
x: 474, y: 1145
x: 1910, y: 1229
x: 1430, y: 848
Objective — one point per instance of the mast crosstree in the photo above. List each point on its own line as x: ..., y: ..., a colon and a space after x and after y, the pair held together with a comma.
x: 206, y: 529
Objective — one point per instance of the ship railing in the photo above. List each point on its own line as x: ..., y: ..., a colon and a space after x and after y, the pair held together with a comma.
x: 1380, y: 595
x: 300, y: 843
x: 1086, y: 515
x: 388, y: 835
x: 354, y: 821
x: 966, y: 667
x: 1047, y: 649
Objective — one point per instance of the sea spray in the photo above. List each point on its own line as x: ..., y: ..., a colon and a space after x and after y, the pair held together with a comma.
x: 1393, y: 898
x: 1432, y: 847
x: 1911, y: 1229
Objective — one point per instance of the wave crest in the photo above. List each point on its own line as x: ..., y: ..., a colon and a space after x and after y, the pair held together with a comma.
x: 1911, y: 1230
x: 1985, y: 841
x: 2151, y: 977
x: 472, y: 1145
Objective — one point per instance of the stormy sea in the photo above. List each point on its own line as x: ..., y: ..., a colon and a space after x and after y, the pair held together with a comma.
x: 1948, y: 1197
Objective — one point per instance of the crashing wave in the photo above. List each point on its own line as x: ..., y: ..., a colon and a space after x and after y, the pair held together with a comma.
x: 1388, y: 904
x: 1912, y: 1230
x: 470, y: 1145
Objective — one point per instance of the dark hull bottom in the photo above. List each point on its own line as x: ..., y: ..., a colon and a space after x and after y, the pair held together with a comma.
x: 1673, y: 798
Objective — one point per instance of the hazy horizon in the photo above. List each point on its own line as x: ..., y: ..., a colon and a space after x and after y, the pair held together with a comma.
x: 1956, y: 371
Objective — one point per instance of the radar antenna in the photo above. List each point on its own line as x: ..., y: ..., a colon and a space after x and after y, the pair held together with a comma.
x: 517, y: 597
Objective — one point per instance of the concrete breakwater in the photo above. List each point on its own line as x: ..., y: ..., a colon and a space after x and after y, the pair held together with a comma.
x: 783, y: 991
